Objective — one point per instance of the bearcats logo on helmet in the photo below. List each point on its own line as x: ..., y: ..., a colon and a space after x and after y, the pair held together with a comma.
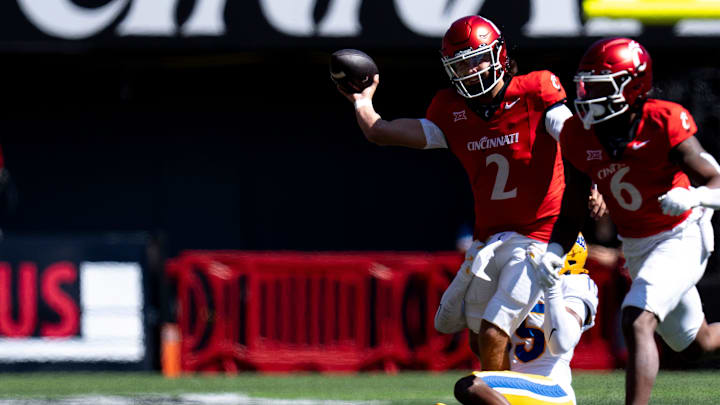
x: 619, y: 64
x: 636, y: 50
x: 482, y: 34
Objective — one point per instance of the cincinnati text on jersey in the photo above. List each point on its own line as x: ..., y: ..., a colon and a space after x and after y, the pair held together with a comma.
x: 487, y: 143
x: 612, y: 168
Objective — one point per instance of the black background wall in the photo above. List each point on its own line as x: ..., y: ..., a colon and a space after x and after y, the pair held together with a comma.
x: 222, y: 152
x: 242, y: 141
x: 248, y: 150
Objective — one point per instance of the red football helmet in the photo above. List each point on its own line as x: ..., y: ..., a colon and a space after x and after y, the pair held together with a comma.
x: 614, y: 74
x: 472, y: 46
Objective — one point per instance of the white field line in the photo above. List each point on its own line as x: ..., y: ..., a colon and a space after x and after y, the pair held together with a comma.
x: 180, y: 399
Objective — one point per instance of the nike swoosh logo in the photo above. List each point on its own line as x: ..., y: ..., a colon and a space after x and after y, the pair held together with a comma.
x: 551, y: 332
x: 639, y: 145
x: 510, y: 105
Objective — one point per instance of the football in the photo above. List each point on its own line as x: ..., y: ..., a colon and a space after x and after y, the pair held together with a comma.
x: 352, y: 70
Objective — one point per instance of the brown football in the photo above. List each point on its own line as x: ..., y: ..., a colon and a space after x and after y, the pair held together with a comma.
x: 352, y: 70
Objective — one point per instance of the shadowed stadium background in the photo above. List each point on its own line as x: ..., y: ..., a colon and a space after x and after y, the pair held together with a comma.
x: 218, y: 145
x: 237, y: 139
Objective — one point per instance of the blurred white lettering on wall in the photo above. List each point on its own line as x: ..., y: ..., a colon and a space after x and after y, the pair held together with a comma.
x: 65, y: 19
x: 111, y: 302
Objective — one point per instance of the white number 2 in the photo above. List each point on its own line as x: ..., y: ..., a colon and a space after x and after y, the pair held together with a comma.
x: 617, y: 186
x: 498, y: 192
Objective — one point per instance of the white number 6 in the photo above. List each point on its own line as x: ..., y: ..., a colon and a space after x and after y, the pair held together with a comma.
x: 617, y: 186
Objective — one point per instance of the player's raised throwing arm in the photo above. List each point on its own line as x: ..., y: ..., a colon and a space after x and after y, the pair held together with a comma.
x: 409, y: 132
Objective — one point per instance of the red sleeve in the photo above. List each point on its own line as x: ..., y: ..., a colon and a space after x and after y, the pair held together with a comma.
x: 680, y: 125
x: 564, y: 140
x: 433, y: 110
x: 566, y: 146
x: 551, y: 90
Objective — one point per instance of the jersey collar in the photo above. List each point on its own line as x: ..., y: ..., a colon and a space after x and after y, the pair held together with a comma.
x: 486, y: 111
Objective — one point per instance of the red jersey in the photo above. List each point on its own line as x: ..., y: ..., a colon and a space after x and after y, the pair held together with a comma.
x: 513, y: 164
x: 631, y: 185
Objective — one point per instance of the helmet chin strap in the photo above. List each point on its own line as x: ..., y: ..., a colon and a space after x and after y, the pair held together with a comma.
x: 598, y: 113
x: 615, y: 134
x: 594, y: 111
x: 485, y: 109
x: 597, y: 110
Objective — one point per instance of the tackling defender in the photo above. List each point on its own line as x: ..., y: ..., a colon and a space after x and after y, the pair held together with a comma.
x: 642, y: 154
x: 543, y: 345
x: 504, y: 131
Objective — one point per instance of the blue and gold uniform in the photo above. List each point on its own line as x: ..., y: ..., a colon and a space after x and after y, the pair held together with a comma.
x: 538, y: 376
x: 522, y: 389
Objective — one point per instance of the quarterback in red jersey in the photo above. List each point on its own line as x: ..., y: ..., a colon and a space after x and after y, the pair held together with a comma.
x: 642, y: 154
x: 504, y: 131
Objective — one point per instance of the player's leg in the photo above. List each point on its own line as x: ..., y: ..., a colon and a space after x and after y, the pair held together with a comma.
x: 516, y: 294
x: 507, y: 387
x: 643, y: 361
x: 493, y: 344
x: 686, y: 331
x: 490, y: 359
x: 662, y: 298
x: 476, y: 299
x: 707, y: 341
x: 472, y: 390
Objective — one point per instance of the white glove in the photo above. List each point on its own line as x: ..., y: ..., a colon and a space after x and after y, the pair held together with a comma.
x: 547, y: 269
x: 678, y: 200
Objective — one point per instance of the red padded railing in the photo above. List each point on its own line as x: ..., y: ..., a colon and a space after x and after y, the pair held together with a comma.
x: 288, y: 311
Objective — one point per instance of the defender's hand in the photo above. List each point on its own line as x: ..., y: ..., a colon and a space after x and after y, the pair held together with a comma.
x: 547, y: 268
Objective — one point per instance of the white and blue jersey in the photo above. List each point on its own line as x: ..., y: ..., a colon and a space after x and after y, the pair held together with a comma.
x: 538, y: 376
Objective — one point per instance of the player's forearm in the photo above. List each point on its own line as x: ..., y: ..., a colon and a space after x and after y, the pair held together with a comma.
x: 574, y: 209
x: 399, y: 132
x: 709, y: 194
x: 680, y: 199
x: 565, y: 231
x: 369, y: 120
x: 708, y: 197
x: 564, y: 328
x: 703, y: 169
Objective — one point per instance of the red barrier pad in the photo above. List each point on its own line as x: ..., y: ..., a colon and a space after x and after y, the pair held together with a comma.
x: 290, y: 311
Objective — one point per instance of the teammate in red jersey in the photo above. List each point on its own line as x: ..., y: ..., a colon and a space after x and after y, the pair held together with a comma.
x: 504, y: 131
x: 642, y: 154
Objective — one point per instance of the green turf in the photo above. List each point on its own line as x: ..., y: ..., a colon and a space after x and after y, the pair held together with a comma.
x: 695, y: 388
x: 671, y: 388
